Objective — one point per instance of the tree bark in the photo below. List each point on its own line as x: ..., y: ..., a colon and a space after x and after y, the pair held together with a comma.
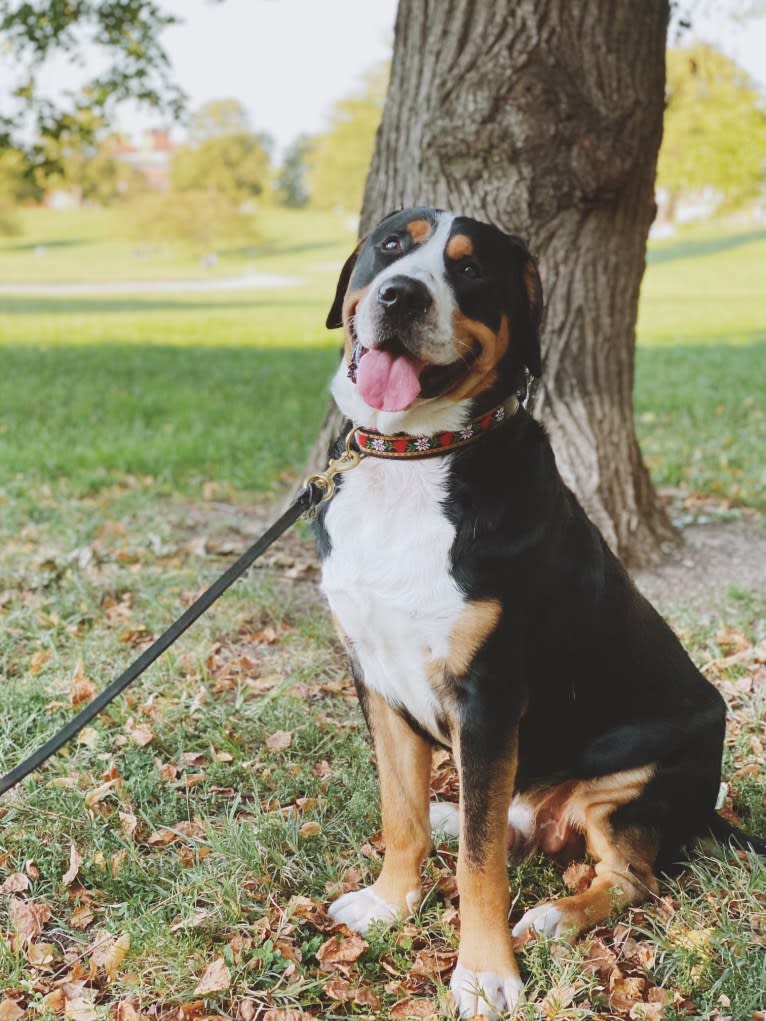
x: 545, y: 118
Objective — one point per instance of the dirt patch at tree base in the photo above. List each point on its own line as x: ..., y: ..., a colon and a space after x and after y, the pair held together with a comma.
x: 716, y: 556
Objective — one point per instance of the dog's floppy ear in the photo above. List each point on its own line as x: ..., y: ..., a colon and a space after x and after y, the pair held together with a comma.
x: 533, y: 289
x: 335, y: 315
x: 531, y: 296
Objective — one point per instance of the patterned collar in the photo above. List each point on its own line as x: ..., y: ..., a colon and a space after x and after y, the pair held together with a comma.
x: 403, y: 446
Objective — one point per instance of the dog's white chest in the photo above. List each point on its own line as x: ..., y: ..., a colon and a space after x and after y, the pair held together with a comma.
x: 387, y: 578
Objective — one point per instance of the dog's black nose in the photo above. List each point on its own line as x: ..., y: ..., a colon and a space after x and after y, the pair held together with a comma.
x: 403, y: 294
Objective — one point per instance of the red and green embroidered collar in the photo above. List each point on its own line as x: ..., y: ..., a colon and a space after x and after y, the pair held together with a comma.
x: 403, y: 445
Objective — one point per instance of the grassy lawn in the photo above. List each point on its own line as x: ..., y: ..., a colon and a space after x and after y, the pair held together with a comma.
x: 215, y: 808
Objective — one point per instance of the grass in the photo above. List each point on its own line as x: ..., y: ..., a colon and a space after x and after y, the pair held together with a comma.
x: 139, y: 438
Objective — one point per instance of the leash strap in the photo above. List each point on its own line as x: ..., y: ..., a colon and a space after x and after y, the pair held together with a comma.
x: 306, y: 500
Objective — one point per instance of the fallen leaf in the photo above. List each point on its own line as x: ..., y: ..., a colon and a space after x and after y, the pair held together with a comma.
x: 192, y: 922
x: 97, y: 794
x: 75, y: 861
x: 10, y: 1010
x: 126, y: 1012
x: 80, y: 688
x: 17, y: 882
x: 279, y: 740
x: 625, y: 992
x: 81, y: 917
x: 578, y: 876
x: 38, y: 661
x: 40, y: 955
x: 108, y: 952
x: 643, y: 1011
x: 216, y: 978
x: 279, y: 1014
x: 310, y: 829
x: 140, y: 733
x: 128, y: 823
x: 341, y: 950
x: 405, y: 1009
x: 28, y: 919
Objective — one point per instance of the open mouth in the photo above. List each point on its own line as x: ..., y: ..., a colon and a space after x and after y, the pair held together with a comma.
x: 390, y: 378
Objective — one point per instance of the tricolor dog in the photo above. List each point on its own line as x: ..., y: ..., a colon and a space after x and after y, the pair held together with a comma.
x: 482, y: 611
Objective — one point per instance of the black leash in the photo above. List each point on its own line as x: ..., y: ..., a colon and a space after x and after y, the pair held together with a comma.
x: 317, y: 488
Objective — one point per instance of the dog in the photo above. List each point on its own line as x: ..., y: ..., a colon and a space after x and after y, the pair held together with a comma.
x: 482, y: 610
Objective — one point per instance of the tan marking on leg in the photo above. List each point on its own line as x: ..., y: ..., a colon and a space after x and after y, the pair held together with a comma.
x: 404, y: 769
x: 475, y: 624
x: 470, y: 335
x: 482, y: 878
x: 419, y: 230
x: 460, y: 246
x: 624, y: 859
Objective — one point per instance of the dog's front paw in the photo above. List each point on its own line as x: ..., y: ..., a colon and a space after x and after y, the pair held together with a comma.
x: 483, y: 992
x: 360, y: 908
x: 541, y: 920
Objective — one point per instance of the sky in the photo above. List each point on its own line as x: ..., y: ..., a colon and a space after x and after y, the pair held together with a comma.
x: 288, y: 61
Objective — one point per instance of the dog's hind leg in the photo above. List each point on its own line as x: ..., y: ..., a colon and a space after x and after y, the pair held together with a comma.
x: 624, y: 857
x: 404, y: 768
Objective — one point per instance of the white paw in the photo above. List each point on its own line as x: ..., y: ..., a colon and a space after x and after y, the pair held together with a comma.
x: 444, y: 818
x: 542, y: 920
x: 483, y: 992
x: 360, y: 908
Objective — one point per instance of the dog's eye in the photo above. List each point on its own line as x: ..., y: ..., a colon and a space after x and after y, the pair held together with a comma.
x: 392, y: 244
x: 470, y: 270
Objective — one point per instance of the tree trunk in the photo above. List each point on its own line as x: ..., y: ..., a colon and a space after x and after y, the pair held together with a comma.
x: 545, y: 118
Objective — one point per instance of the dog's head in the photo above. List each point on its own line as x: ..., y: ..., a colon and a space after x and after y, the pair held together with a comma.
x: 435, y: 308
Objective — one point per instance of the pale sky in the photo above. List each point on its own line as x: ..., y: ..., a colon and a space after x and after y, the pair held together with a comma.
x: 288, y: 61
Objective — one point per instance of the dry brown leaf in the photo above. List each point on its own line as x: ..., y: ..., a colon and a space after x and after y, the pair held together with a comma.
x: 279, y: 740
x: 278, y: 1014
x: 80, y: 688
x: 600, y: 959
x: 38, y: 661
x: 10, y: 1010
x: 192, y: 922
x: 78, y: 1002
x: 578, y: 876
x: 643, y: 1011
x: 346, y: 992
x: 28, y: 919
x: 557, y: 999
x: 40, y: 955
x: 216, y: 978
x: 81, y: 917
x: 75, y: 861
x: 625, y: 992
x: 17, y: 882
x: 126, y: 1012
x: 409, y: 1008
x: 108, y: 952
x: 128, y: 823
x: 310, y: 829
x: 341, y: 950
x: 97, y: 794
x: 140, y: 733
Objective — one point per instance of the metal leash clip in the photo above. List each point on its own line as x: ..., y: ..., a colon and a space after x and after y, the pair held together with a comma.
x: 325, y: 480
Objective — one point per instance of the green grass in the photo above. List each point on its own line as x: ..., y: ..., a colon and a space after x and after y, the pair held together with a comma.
x: 138, y: 438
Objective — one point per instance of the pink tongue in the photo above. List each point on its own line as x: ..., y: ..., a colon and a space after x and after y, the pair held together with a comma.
x: 387, y: 382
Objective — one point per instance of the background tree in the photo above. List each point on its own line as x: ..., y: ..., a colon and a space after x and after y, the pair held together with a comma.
x: 291, y: 187
x: 545, y: 118
x: 127, y: 33
x: 715, y: 127
x: 340, y: 157
x: 224, y: 155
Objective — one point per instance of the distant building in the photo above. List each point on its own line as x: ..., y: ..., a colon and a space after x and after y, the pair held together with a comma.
x: 151, y: 156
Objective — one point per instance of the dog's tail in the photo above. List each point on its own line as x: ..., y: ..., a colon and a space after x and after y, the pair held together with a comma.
x: 725, y: 833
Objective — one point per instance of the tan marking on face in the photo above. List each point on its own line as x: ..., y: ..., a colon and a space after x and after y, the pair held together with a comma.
x: 419, y: 230
x: 470, y: 335
x: 482, y: 879
x: 624, y: 859
x: 459, y: 247
x: 474, y: 626
x: 350, y: 304
x: 404, y: 770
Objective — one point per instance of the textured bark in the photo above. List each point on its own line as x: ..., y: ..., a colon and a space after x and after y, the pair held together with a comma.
x: 545, y: 118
